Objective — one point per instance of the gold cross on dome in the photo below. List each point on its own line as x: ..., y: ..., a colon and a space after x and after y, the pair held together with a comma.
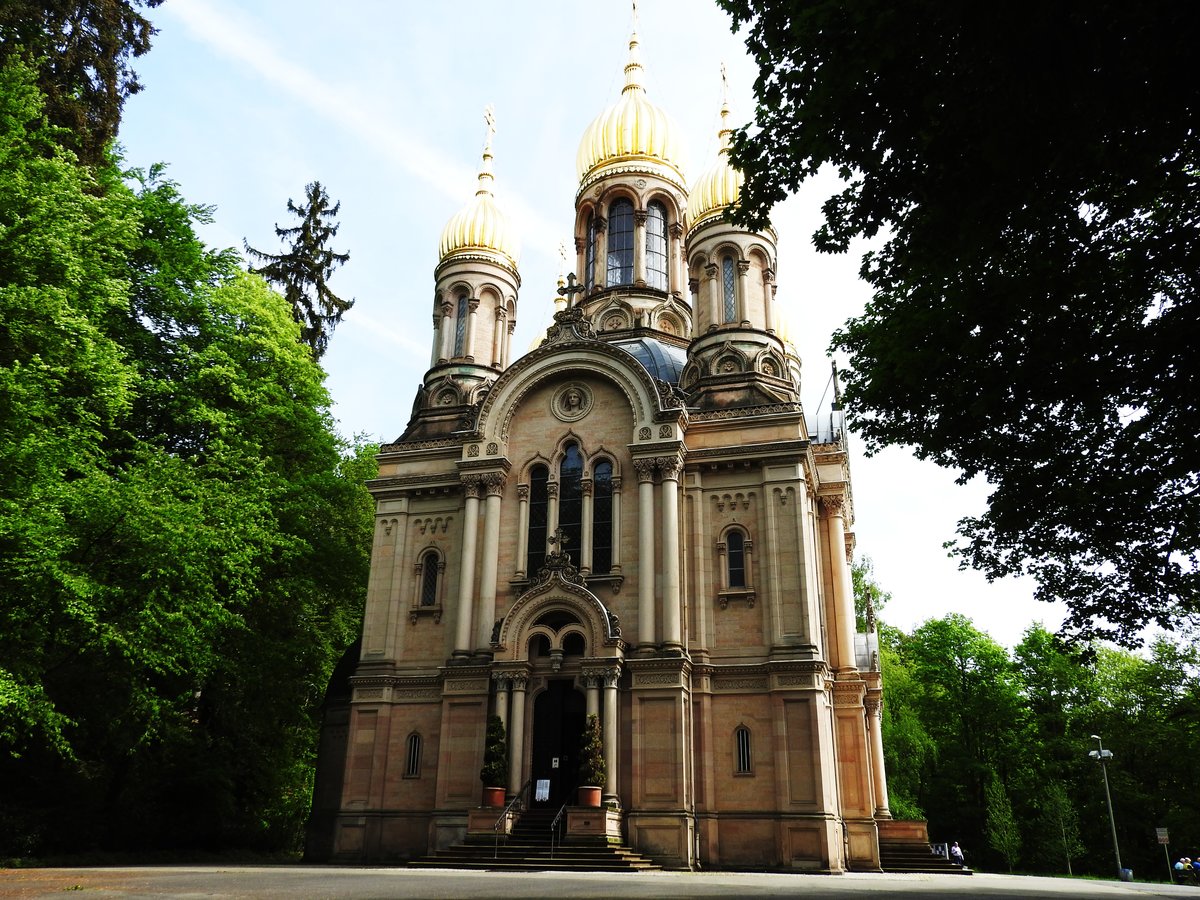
x: 489, y: 116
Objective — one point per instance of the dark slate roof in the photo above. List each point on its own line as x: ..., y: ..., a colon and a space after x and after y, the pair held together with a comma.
x: 663, y: 361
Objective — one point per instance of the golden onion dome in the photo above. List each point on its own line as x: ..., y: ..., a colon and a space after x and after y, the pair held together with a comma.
x: 632, y: 130
x: 480, y: 227
x: 720, y: 187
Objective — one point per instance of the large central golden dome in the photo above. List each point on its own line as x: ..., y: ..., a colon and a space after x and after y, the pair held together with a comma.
x: 632, y: 130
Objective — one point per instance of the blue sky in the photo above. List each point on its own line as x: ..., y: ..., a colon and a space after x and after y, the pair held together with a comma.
x: 383, y: 103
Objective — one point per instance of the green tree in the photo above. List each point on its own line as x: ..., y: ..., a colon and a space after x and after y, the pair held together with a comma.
x: 302, y: 271
x: 184, y: 539
x: 1058, y: 828
x: 908, y: 750
x: 1030, y: 169
x: 81, y: 51
x: 1003, y: 832
x: 867, y: 591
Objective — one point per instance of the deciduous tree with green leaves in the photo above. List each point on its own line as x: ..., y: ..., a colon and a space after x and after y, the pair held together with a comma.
x: 1030, y: 170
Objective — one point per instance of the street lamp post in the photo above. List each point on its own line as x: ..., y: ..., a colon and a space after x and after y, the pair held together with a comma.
x: 1103, y: 756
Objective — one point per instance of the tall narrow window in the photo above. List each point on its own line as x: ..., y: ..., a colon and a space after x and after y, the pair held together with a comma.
x: 735, y: 558
x: 460, y: 326
x: 589, y: 265
x: 656, y: 246
x: 539, y: 517
x: 429, y: 578
x: 602, y: 514
x: 729, y: 290
x: 412, y: 762
x: 570, y: 500
x: 741, y: 741
x: 620, y: 244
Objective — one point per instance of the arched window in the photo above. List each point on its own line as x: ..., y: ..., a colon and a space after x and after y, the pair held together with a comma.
x: 620, y: 244
x: 460, y: 326
x: 602, y: 517
x: 412, y: 760
x: 728, y: 286
x: 735, y: 558
x: 656, y: 246
x: 539, y: 518
x: 589, y: 265
x: 570, y: 500
x: 430, y: 564
x: 743, y: 760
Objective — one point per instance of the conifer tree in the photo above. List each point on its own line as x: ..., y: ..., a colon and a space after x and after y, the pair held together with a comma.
x: 302, y: 271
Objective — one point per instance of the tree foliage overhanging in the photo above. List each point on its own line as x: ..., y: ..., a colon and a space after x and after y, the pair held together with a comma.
x: 1033, y: 169
x: 81, y: 50
x: 184, y: 539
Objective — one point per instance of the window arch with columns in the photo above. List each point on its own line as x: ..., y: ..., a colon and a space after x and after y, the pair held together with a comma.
x: 735, y: 557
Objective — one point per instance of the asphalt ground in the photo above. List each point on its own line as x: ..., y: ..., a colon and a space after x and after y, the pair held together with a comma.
x: 303, y: 882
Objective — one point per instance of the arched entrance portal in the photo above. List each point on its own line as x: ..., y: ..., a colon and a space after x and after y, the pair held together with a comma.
x: 558, y: 720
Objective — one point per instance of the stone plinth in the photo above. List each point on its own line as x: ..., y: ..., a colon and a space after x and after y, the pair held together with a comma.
x: 482, y: 820
x: 594, y: 822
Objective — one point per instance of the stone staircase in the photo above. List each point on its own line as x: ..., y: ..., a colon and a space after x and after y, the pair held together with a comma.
x: 910, y: 856
x: 528, y: 847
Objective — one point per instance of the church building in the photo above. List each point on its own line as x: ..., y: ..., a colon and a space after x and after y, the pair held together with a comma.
x: 633, y: 520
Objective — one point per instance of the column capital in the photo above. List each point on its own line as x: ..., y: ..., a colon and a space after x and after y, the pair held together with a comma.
x: 522, y: 492
x: 494, y: 482
x: 519, y: 682
x: 743, y: 266
x: 676, y: 230
x: 644, y: 469
x: 615, y: 481
x: 472, y: 303
x: 551, y: 488
x: 503, y: 680
x: 471, y: 485
x: 586, y: 486
x: 670, y: 466
x: 833, y: 504
x: 612, y: 677
x: 711, y: 270
x: 640, y: 216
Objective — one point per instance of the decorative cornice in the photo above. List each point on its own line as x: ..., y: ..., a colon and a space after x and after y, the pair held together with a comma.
x: 748, y: 412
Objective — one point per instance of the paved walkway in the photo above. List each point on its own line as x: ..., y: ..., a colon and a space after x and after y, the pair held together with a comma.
x: 303, y: 882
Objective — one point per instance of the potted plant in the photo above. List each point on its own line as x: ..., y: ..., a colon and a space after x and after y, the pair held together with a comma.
x: 591, y: 764
x: 495, y: 764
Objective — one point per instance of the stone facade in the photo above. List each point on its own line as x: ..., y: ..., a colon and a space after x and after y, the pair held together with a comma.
x: 634, y: 520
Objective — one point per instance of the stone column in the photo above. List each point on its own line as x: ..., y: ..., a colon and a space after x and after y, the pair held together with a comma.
x: 522, y: 529
x: 611, y: 678
x: 466, y: 574
x: 501, y: 325
x: 472, y: 324
x: 645, y: 472
x: 875, y: 726
x: 743, y: 296
x: 639, y: 247
x: 508, y: 344
x: 516, y: 735
x: 447, y: 341
x: 551, y: 507
x: 494, y: 482
x: 601, y: 261
x: 591, y: 687
x: 585, y: 549
x: 436, y: 352
x: 713, y: 287
x: 669, y: 466
x: 675, y: 261
x: 616, y: 525
x: 833, y: 506
x: 502, y: 684
x: 698, y: 317
x: 769, y: 299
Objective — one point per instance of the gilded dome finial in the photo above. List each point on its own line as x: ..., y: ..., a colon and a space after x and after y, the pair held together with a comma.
x: 633, y: 68
x: 485, y: 173
x: 725, y: 131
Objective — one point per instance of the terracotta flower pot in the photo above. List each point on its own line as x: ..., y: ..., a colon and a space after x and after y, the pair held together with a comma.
x: 589, y: 796
x: 493, y: 797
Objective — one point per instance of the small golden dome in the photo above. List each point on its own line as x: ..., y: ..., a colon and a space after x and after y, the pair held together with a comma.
x: 632, y: 130
x: 720, y: 187
x: 480, y: 227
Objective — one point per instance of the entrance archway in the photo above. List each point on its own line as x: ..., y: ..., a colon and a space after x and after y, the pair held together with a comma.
x: 558, y: 720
